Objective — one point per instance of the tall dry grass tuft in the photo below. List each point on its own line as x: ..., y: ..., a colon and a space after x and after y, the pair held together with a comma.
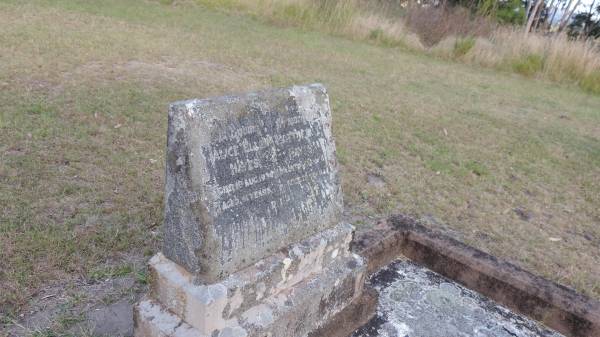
x: 333, y: 16
x: 377, y: 21
x: 385, y: 31
x: 450, y: 33
x: 556, y: 57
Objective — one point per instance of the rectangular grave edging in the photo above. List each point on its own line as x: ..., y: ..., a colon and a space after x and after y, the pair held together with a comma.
x: 557, y: 306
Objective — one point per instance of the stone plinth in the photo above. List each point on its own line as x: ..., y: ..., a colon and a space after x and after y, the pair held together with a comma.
x: 290, y: 293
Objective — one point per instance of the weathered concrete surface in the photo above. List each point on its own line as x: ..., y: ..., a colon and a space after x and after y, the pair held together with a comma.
x: 209, y: 307
x: 247, y: 175
x: 353, y: 316
x: 293, y: 311
x: 151, y: 319
x: 558, y: 307
x: 416, y: 302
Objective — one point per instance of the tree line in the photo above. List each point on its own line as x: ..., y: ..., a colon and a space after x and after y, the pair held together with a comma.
x: 546, y: 16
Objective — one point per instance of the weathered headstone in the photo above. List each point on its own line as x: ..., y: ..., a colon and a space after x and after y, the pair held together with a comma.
x: 253, y: 243
x: 246, y: 176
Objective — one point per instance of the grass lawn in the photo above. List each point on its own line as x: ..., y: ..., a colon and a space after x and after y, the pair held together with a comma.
x: 507, y: 164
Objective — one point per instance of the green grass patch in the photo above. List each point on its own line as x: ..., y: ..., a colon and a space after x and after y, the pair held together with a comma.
x: 100, y: 274
x: 142, y: 277
x: 217, y: 4
x: 529, y: 65
x: 380, y: 37
x: 463, y: 45
x: 476, y: 168
x: 591, y: 83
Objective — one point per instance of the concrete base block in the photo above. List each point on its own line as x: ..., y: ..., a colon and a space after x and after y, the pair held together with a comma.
x: 151, y: 319
x: 291, y: 293
x: 294, y: 312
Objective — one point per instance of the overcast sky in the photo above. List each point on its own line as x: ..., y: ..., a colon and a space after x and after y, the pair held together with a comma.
x: 584, y: 6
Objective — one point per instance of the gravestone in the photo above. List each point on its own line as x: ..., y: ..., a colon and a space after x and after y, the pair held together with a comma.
x: 253, y: 240
x: 246, y: 176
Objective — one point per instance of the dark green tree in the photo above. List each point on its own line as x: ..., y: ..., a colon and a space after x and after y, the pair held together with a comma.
x: 586, y: 24
x: 511, y: 11
x: 505, y: 11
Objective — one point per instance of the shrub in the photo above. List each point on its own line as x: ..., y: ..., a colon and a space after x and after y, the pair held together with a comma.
x: 529, y: 65
x: 463, y: 46
x: 433, y: 24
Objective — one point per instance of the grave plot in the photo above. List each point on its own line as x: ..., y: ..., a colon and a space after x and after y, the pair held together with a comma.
x: 254, y: 244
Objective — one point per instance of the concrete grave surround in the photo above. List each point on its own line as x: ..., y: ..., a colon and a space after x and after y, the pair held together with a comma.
x: 253, y: 243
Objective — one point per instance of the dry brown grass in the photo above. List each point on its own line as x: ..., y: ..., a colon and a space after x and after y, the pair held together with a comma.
x: 562, y: 59
x: 436, y: 31
x: 85, y: 86
x: 384, y: 31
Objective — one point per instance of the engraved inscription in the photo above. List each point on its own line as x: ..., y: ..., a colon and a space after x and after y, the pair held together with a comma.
x: 267, y: 170
x: 248, y: 175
